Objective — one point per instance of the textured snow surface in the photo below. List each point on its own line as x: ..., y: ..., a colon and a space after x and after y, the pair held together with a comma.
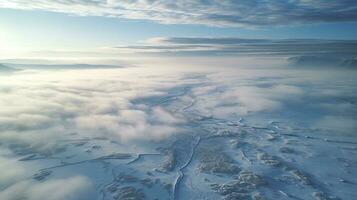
x: 142, y: 133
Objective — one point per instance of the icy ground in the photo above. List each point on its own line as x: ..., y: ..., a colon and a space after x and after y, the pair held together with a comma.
x: 145, y: 134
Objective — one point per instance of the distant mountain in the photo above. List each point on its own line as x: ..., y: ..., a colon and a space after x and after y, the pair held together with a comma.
x: 323, y: 62
x: 6, y: 69
x: 61, y: 66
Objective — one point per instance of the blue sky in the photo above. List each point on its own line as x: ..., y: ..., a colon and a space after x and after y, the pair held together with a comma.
x: 50, y: 26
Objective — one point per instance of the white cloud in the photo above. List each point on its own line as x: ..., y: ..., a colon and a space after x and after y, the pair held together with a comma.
x: 38, y: 115
x: 162, y: 116
x: 73, y: 188
x: 243, y: 100
x: 42, y: 109
x: 210, y: 12
x: 24, y: 121
x: 131, y: 124
x: 11, y: 170
x: 303, y: 51
x: 339, y: 124
x: 203, y: 90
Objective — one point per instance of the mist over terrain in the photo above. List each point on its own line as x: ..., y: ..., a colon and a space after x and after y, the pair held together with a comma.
x: 65, y: 127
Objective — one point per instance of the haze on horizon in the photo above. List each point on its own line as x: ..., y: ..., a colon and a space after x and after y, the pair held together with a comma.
x: 181, y: 100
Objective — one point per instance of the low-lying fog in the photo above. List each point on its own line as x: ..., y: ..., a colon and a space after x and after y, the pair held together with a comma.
x: 165, y: 132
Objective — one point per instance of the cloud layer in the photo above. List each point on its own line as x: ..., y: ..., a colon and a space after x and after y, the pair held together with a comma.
x: 208, y: 12
x: 229, y: 46
x: 51, y: 121
x: 38, y: 115
x: 77, y: 187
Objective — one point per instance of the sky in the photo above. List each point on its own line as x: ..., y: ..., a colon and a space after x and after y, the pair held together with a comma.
x: 32, y: 27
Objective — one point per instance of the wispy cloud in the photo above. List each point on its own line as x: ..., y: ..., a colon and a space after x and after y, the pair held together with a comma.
x: 210, y: 12
x: 57, y: 189
x: 228, y: 46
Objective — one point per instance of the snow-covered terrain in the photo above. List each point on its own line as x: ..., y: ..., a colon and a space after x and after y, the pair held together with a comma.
x: 158, y: 133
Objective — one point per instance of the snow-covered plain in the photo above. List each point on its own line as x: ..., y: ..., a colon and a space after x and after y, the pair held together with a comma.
x: 158, y: 133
